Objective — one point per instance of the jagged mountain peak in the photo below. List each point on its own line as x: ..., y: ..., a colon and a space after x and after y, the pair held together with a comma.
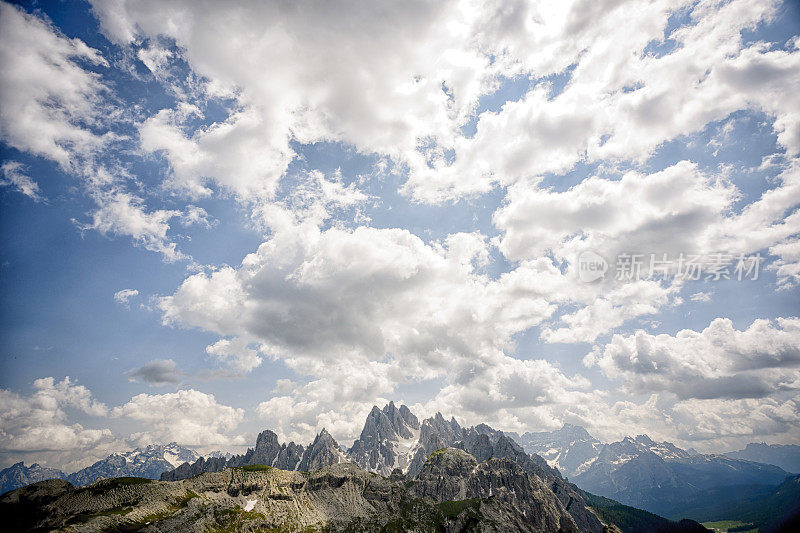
x: 323, y: 451
x: 266, y: 438
x: 324, y: 437
x: 387, y: 440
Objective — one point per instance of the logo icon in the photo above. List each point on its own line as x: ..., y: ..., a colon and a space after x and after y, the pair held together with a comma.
x: 591, y: 266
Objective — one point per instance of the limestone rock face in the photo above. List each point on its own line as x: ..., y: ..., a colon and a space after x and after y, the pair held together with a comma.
x: 389, y: 439
x: 508, y: 494
x: 435, y: 433
x: 444, y: 476
x: 503, y: 447
x: 267, y: 451
x: 322, y: 452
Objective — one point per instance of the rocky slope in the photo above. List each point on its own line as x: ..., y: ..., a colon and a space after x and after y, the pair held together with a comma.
x: 453, y: 492
x: 485, y: 445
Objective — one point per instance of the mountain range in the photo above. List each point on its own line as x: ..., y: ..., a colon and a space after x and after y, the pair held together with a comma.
x: 656, y: 476
x: 786, y: 456
x: 638, y: 472
x: 395, y: 444
x: 148, y: 462
x: 453, y: 492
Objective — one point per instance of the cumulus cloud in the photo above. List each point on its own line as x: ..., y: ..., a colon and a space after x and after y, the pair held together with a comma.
x: 609, y: 82
x: 188, y: 417
x: 36, y: 426
x: 122, y: 213
x: 235, y: 354
x: 50, y: 103
x: 362, y: 294
x: 157, y: 372
x: 622, y: 100
x: 718, y: 362
x: 381, y: 91
x: 670, y: 211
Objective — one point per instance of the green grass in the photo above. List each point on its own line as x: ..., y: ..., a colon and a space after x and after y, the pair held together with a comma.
x: 123, y: 481
x: 454, y: 508
x: 727, y: 525
x: 113, y: 483
x: 256, y: 468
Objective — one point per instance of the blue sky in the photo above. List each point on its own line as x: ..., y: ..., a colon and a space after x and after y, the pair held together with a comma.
x: 309, y: 215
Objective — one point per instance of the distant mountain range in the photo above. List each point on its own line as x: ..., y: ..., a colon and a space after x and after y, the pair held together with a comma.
x: 655, y: 476
x: 571, y: 449
x: 19, y: 475
x: 786, y: 456
x: 147, y: 462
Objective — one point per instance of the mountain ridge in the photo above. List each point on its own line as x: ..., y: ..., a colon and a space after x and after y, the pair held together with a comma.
x: 148, y: 462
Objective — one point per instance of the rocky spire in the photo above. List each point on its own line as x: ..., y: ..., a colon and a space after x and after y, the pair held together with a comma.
x: 387, y: 440
x: 322, y: 452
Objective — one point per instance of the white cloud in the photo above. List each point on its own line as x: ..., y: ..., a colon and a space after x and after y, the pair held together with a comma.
x: 13, y: 176
x: 679, y: 210
x: 56, y: 107
x: 235, y: 354
x: 241, y: 154
x: 123, y: 296
x: 787, y: 266
x: 188, y: 417
x: 674, y: 210
x: 622, y: 101
x: 124, y: 214
x: 50, y: 103
x: 718, y: 362
x: 610, y: 310
x: 36, y: 427
x: 313, y: 297
x: 702, y: 296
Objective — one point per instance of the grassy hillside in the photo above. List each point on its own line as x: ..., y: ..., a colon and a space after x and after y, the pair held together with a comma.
x: 767, y: 508
x: 633, y: 520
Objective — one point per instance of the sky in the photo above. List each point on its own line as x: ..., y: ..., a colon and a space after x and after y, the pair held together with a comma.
x: 221, y: 217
